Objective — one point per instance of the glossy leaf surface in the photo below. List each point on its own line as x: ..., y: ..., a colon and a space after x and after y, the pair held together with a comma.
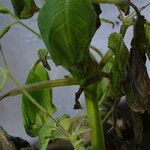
x: 67, y: 27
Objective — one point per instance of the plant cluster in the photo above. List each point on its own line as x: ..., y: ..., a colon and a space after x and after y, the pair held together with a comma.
x: 67, y: 28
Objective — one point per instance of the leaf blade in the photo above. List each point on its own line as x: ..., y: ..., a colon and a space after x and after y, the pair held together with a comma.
x: 62, y: 32
x: 33, y: 118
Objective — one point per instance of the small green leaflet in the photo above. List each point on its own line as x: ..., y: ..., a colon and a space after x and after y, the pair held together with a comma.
x: 5, y: 29
x: 33, y: 118
x: 3, y: 9
x: 24, y: 9
x: 50, y: 131
x: 45, y: 134
x: 125, y: 7
x: 3, y: 78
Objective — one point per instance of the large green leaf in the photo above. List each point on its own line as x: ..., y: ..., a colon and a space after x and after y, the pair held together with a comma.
x: 33, y: 118
x: 119, y: 68
x: 67, y: 27
x: 24, y: 8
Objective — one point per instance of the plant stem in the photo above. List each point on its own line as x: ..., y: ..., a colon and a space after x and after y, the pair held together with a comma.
x: 38, y: 86
x: 105, y: 58
x: 133, y: 14
x: 94, y: 117
x: 96, y: 50
x: 24, y: 25
x: 109, y: 1
x: 33, y: 101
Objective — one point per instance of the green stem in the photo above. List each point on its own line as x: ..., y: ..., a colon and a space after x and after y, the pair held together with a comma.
x: 31, y: 99
x: 66, y: 133
x: 109, y: 113
x: 24, y: 25
x: 104, y: 20
x: 133, y: 14
x: 96, y: 50
x: 38, y: 86
x: 94, y: 117
x: 104, y: 60
x: 123, y: 30
x: 109, y: 1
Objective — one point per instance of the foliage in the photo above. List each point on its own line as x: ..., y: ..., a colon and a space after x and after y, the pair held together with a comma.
x: 120, y: 62
x: 33, y: 118
x: 62, y: 35
x: 67, y: 28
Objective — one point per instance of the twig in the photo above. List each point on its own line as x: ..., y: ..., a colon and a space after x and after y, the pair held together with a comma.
x: 109, y: 113
x: 96, y: 50
x: 105, y: 58
x: 3, y: 56
x: 133, y: 14
x: 39, y: 85
x: 24, y: 25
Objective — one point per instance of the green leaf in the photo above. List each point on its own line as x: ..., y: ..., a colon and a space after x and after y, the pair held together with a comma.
x: 67, y: 27
x: 33, y: 118
x: 104, y: 84
x: 5, y: 29
x: 3, y: 10
x: 147, y: 32
x: 42, y: 53
x: 24, y: 8
x: 46, y: 134
x: 121, y: 54
x: 65, y: 121
x: 50, y: 131
x: 125, y: 7
x: 3, y: 78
